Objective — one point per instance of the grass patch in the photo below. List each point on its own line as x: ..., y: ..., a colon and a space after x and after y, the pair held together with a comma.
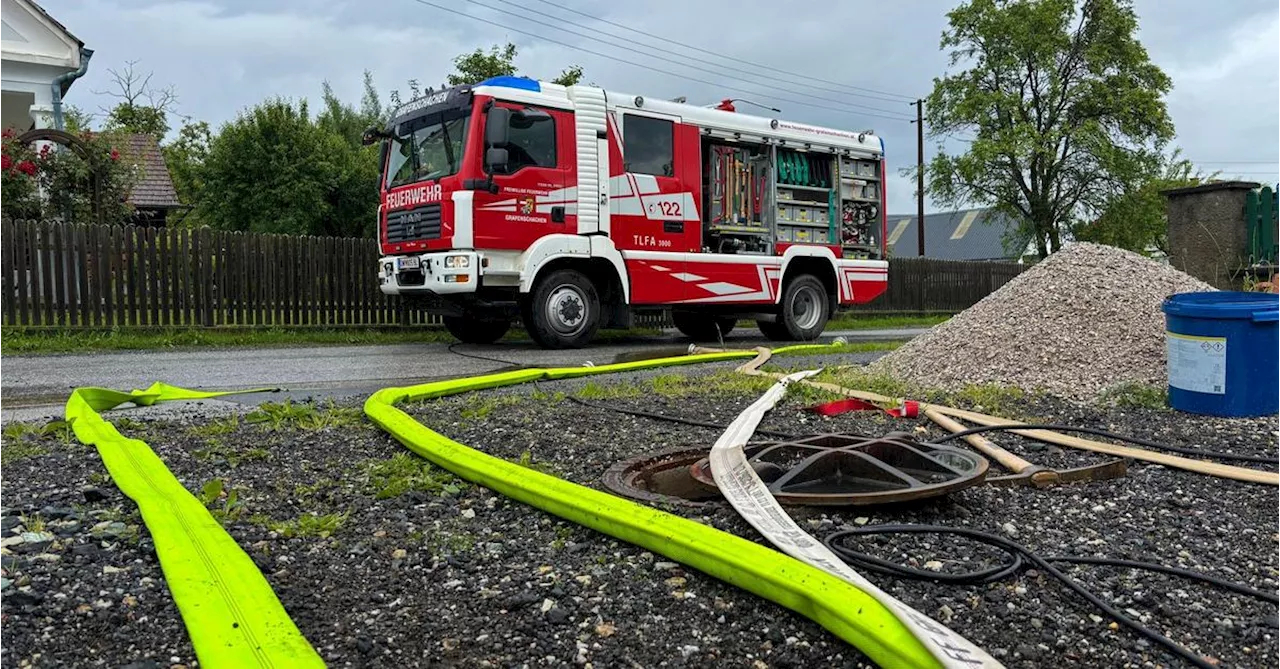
x: 217, y: 427
x: 675, y: 386
x: 1136, y: 396
x: 308, y: 525
x: 306, y: 416
x: 22, y: 441
x: 216, y: 449
x: 889, y: 322
x: 405, y: 472
x: 988, y: 398
x: 16, y: 340
x: 847, y: 347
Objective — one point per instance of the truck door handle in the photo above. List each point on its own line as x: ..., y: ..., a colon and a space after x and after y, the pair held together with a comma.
x: 557, y: 214
x: 673, y: 227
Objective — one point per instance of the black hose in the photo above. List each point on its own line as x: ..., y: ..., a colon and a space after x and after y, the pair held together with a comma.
x: 1110, y: 435
x: 1019, y: 556
x: 476, y: 356
x: 670, y: 419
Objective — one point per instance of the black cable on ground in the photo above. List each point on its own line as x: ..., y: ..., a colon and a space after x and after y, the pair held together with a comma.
x: 476, y: 356
x: 1020, y: 556
x: 671, y: 419
x: 1111, y: 435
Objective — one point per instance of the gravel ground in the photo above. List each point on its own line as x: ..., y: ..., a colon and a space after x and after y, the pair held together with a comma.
x: 385, y: 561
x: 1040, y: 330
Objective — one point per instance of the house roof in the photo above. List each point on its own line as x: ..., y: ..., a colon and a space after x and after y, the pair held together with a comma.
x: 36, y: 6
x: 968, y: 234
x: 154, y: 189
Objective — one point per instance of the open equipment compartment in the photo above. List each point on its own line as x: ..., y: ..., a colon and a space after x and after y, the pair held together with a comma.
x: 809, y: 197
x: 861, y: 205
x: 737, y: 187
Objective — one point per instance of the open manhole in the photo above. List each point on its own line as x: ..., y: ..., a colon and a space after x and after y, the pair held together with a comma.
x: 824, y: 469
x: 664, y: 476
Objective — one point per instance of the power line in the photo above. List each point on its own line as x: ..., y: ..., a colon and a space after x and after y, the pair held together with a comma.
x: 894, y: 96
x: 647, y: 67
x: 673, y: 61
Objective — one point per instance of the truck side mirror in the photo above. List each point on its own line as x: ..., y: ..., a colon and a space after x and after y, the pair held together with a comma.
x: 495, y: 159
x: 496, y: 127
x: 371, y: 135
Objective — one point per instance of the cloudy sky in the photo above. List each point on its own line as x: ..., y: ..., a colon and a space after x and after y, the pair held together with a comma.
x: 224, y: 55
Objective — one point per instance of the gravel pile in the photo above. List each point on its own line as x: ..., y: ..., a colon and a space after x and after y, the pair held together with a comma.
x: 1085, y: 319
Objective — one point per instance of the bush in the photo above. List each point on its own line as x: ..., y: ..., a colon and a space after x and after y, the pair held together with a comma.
x: 19, y: 197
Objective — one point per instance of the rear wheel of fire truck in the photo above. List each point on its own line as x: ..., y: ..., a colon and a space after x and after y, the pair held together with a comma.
x: 803, y: 314
x: 472, y: 330
x: 563, y: 310
x: 703, y: 328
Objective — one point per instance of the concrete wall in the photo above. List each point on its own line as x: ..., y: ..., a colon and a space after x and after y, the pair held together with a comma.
x: 1208, y: 238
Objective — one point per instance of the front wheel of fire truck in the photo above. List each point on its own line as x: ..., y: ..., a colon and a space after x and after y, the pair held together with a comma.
x: 803, y: 314
x: 471, y: 330
x: 563, y: 310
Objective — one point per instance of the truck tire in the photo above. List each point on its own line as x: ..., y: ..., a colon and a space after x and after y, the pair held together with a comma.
x: 803, y: 314
x: 703, y: 328
x: 471, y: 330
x: 563, y: 310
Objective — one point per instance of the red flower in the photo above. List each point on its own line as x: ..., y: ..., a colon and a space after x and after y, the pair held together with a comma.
x: 27, y: 167
x: 8, y: 133
x: 44, y: 151
x: 5, y: 162
x: 115, y: 155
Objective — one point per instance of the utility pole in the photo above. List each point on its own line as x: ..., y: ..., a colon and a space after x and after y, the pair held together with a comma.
x: 920, y: 174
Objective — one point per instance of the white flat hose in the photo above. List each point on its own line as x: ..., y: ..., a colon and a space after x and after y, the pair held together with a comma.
x: 740, y: 484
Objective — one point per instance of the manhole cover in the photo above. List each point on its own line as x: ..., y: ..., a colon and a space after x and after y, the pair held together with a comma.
x: 852, y: 470
x: 825, y: 469
x: 664, y: 476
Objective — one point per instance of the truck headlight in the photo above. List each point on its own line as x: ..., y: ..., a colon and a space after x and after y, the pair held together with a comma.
x: 454, y: 262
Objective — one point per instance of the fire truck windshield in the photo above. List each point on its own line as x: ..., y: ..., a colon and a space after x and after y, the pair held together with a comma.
x: 427, y: 148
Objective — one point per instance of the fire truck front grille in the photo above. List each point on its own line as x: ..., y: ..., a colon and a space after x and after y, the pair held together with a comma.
x: 414, y: 224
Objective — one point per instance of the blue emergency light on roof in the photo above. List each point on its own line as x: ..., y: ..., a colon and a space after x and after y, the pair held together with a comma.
x: 522, y: 83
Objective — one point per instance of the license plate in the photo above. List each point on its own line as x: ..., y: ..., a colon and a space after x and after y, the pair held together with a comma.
x: 411, y: 262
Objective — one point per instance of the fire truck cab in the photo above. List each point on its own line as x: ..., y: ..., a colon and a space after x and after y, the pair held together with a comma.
x: 574, y: 208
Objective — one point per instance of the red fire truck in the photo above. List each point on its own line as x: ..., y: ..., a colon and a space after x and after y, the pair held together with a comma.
x: 575, y: 208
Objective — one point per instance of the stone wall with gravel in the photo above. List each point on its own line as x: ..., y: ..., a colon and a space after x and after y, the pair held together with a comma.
x: 1084, y: 319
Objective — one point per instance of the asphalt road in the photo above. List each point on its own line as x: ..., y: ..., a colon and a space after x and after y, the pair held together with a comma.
x: 35, y: 386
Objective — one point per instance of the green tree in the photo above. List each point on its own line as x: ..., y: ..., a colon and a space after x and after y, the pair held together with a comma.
x: 273, y: 169
x: 76, y: 120
x: 498, y: 61
x: 141, y: 107
x: 1065, y: 106
x: 1136, y: 219
x: 185, y: 158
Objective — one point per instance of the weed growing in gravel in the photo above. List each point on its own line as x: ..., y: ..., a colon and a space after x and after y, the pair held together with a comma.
x: 223, y: 504
x: 216, y: 449
x: 479, y: 406
x: 127, y: 423
x: 526, y: 460
x: 1136, y: 396
x: 453, y: 542
x: 858, y: 378
x: 404, y: 472
x: 217, y: 427
x: 608, y: 391
x: 306, y: 525
x: 990, y: 398
x: 307, y: 416
x: 17, y: 451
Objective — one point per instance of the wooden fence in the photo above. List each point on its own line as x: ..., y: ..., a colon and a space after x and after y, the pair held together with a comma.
x: 89, y: 276
x: 922, y: 285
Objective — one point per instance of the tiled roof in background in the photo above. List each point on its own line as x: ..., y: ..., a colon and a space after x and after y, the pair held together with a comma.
x: 154, y: 189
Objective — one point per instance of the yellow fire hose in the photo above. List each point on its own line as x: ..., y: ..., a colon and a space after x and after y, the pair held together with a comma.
x: 235, y: 620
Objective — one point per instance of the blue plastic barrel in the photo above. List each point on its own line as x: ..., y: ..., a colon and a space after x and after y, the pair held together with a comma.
x: 1222, y: 356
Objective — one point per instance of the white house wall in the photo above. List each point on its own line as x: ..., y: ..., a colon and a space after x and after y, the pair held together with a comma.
x: 29, y: 37
x: 35, y: 52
